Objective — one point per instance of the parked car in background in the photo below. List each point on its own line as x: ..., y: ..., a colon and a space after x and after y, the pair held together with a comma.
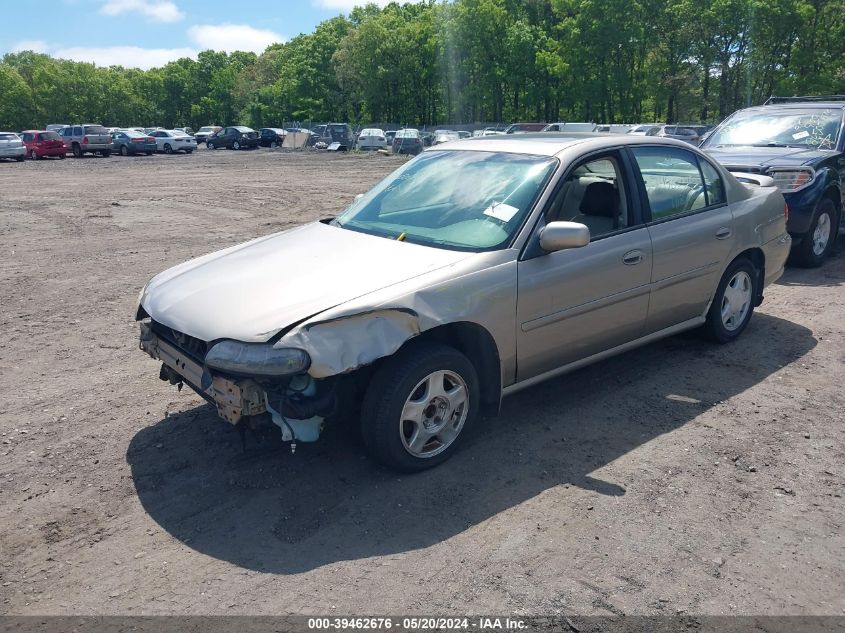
x: 389, y: 135
x: 271, y: 136
x: 643, y: 129
x: 11, y: 146
x: 569, y: 127
x: 492, y: 131
x: 445, y: 136
x: 486, y: 292
x: 371, y: 138
x: 55, y: 127
x: 234, y: 137
x: 204, y: 132
x: 170, y: 141
x: 88, y: 138
x: 187, y: 130
x: 131, y: 142
x: 407, y: 141
x: 677, y: 132
x: 427, y: 138
x: 525, y: 128
x: 464, y: 134
x: 334, y: 133
x: 43, y: 143
x: 799, y: 142
x: 612, y: 129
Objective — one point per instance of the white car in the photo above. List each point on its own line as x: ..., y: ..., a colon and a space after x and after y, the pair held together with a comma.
x: 372, y: 138
x: 169, y: 141
x: 11, y: 146
x: 642, y: 130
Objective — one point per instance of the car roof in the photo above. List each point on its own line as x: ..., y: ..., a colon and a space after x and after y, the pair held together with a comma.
x: 550, y: 144
x: 798, y: 105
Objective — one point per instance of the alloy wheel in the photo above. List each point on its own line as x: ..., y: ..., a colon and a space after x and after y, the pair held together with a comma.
x: 434, y: 414
x: 821, y: 235
x: 736, y: 300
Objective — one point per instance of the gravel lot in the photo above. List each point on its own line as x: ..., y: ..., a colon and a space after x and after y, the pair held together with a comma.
x: 682, y: 477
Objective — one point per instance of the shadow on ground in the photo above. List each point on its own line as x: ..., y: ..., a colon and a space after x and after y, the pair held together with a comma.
x: 267, y: 510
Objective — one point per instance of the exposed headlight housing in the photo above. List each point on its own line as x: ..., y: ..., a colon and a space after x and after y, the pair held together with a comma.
x: 791, y: 179
x: 257, y: 359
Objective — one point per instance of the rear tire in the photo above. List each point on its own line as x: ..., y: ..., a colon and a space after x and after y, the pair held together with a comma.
x: 62, y: 156
x: 733, y: 303
x: 817, y: 242
x: 418, y: 406
x: 168, y: 149
x: 77, y: 151
x: 20, y: 159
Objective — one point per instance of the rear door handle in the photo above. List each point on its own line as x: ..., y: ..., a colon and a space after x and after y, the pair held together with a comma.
x: 632, y: 258
x: 723, y: 233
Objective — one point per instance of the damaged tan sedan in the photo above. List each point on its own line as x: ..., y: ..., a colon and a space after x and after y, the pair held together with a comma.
x: 477, y: 269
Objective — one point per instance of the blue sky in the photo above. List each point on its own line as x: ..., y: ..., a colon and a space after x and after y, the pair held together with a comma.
x: 147, y: 33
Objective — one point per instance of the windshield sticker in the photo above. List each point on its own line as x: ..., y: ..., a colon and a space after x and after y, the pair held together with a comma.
x: 501, y: 211
x: 800, y: 135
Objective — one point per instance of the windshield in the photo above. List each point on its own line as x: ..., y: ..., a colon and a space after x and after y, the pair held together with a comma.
x: 8, y: 137
x: 816, y: 128
x: 463, y: 200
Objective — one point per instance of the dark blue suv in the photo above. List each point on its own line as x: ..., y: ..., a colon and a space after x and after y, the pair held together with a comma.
x: 799, y: 142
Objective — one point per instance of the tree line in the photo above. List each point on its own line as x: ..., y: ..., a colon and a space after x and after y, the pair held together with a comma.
x: 424, y: 63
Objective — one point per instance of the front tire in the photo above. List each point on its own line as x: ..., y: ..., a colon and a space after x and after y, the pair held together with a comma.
x: 418, y: 406
x: 168, y: 149
x: 236, y: 145
x: 124, y: 151
x: 34, y: 155
x: 818, y: 241
x: 733, y: 303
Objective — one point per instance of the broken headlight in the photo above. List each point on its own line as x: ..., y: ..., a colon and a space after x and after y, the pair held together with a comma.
x: 257, y: 359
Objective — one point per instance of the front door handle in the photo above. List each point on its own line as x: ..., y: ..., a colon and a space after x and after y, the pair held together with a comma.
x: 632, y: 258
x: 723, y: 233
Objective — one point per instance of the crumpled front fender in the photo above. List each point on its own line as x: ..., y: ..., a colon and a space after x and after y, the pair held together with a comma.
x: 346, y: 343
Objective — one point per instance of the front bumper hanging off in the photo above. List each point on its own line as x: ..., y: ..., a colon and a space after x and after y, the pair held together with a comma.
x: 234, y: 399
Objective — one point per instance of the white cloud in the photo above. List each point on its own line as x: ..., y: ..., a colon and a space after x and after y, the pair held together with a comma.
x: 127, y: 56
x: 347, y: 5
x: 232, y: 37
x: 155, y: 10
x: 38, y: 46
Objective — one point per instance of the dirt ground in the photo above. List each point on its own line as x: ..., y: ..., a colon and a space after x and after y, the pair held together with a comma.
x: 679, y: 478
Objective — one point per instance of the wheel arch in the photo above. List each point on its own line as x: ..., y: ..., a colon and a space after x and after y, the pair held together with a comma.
x: 478, y: 345
x: 758, y: 259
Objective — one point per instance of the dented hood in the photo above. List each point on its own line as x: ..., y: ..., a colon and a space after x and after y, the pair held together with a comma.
x: 251, y: 291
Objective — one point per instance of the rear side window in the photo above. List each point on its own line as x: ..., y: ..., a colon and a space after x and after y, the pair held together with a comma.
x: 672, y: 180
x: 714, y: 188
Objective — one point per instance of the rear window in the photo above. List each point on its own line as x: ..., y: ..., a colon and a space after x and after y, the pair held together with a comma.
x: 407, y: 134
x: 9, y: 137
x: 95, y: 129
x: 49, y: 136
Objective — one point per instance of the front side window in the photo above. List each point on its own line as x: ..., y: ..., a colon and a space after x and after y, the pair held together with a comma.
x: 593, y: 194
x: 672, y: 181
x: 463, y: 200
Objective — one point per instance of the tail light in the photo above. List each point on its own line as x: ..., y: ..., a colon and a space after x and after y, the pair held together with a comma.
x: 150, y: 139
x: 85, y: 140
x: 786, y: 211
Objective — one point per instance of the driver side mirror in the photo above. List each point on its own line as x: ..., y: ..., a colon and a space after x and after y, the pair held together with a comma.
x: 558, y: 236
